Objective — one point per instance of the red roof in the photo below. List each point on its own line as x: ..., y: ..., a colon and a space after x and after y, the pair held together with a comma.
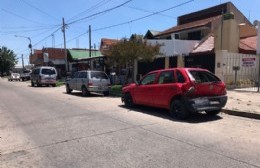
x: 55, y: 53
x: 206, y: 45
x: 190, y: 25
x: 248, y: 43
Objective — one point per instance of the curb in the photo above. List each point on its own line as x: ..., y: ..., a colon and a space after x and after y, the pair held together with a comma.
x: 242, y: 114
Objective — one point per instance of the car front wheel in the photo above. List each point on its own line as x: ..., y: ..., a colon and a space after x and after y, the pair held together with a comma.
x: 84, y: 91
x: 178, y: 110
x: 214, y: 112
x: 68, y: 90
x: 128, y: 100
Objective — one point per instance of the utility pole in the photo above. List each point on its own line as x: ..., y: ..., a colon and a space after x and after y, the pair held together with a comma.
x: 22, y: 62
x: 91, y: 62
x: 65, y: 50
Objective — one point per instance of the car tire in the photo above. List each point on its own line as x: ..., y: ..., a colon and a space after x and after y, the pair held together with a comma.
x: 32, y: 84
x: 85, y: 91
x: 38, y: 84
x: 178, y: 110
x: 68, y: 90
x: 213, y: 113
x: 128, y: 100
x: 106, y: 93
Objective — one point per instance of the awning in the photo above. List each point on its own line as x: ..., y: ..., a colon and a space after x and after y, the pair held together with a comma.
x: 83, y: 54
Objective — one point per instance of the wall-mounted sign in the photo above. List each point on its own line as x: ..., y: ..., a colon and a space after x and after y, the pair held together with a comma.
x: 249, y: 62
x: 45, y: 57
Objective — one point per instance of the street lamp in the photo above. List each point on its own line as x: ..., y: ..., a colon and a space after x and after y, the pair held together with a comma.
x: 30, y: 44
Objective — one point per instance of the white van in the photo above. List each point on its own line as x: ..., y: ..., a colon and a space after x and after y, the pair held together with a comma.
x: 44, y: 76
x: 89, y: 82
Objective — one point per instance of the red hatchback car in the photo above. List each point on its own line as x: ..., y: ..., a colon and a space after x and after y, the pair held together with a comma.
x: 180, y: 90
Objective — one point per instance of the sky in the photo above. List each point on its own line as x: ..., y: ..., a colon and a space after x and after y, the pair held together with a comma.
x: 41, y: 20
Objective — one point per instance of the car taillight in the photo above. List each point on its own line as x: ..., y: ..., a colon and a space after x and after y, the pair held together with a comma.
x: 90, y: 84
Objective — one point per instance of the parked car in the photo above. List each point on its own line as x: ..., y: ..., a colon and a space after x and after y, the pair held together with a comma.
x: 89, y: 82
x: 25, y: 75
x: 180, y: 90
x: 44, y: 76
x: 14, y: 77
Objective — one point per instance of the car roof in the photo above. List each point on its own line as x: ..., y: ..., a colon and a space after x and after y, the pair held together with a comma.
x: 181, y: 69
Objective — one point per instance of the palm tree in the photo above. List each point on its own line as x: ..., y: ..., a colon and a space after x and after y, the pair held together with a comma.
x: 7, y: 60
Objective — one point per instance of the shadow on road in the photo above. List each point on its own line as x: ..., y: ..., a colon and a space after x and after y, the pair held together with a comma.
x: 163, y: 113
x: 79, y: 94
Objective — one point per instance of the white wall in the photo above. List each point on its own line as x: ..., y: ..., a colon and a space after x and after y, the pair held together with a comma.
x: 225, y: 62
x: 174, y: 47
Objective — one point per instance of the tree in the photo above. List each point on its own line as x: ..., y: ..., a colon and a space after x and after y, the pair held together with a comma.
x: 125, y: 52
x: 7, y: 60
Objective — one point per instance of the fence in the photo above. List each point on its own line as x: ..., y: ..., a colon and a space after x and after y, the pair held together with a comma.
x: 241, y: 70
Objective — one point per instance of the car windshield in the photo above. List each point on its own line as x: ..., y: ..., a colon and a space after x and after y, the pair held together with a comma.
x: 48, y: 71
x: 98, y: 75
x: 203, y: 76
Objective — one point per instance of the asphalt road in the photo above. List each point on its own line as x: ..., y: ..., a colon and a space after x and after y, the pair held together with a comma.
x: 45, y: 127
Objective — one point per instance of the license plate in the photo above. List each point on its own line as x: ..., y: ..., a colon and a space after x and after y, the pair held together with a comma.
x: 214, y: 102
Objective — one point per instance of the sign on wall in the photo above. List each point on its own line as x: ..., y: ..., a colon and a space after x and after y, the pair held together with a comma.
x: 45, y: 57
x: 249, y: 62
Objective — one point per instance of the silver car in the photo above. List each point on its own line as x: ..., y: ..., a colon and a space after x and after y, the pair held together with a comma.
x: 14, y: 77
x: 89, y: 82
x: 44, y: 76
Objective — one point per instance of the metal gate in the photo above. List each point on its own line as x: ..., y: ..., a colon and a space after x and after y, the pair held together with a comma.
x: 201, y: 61
x: 241, y: 71
x: 145, y: 67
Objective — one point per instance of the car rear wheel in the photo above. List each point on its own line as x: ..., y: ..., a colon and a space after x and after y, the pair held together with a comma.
x: 128, y: 100
x: 214, y: 112
x: 106, y: 93
x: 84, y: 91
x: 32, y: 84
x: 68, y: 90
x: 178, y: 110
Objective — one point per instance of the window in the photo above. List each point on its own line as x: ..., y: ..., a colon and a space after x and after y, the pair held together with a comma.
x: 180, y: 77
x: 98, y: 75
x: 81, y: 75
x: 166, y: 77
x: 48, y: 71
x: 75, y: 75
x: 149, y: 79
x: 203, y: 77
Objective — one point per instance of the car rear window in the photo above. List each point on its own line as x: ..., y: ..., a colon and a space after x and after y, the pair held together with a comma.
x: 203, y: 76
x: 48, y: 71
x: 98, y: 75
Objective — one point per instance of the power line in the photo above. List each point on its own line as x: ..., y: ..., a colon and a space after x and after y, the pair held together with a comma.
x: 141, y: 18
x: 99, y: 4
x: 115, y: 25
x: 98, y: 13
x: 147, y: 11
x: 39, y: 10
x: 14, y: 14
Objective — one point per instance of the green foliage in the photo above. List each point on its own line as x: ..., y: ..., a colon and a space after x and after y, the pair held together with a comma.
x: 125, y: 52
x: 116, y: 90
x: 7, y: 60
x: 60, y: 83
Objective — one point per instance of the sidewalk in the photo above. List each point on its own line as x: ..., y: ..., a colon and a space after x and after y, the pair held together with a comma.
x: 243, y: 103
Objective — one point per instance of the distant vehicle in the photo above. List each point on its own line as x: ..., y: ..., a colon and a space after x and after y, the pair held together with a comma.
x: 89, y: 82
x: 44, y: 76
x: 180, y: 90
x: 14, y: 77
x: 25, y: 75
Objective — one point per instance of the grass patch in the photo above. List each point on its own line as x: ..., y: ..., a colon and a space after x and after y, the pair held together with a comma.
x: 60, y: 83
x: 116, y: 90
